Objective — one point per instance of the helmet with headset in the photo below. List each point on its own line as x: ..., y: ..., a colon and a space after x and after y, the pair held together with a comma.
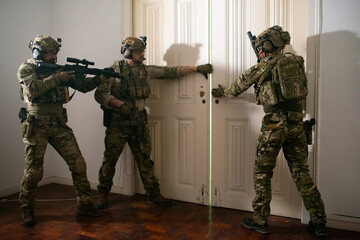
x: 131, y: 44
x: 42, y: 44
x: 272, y: 39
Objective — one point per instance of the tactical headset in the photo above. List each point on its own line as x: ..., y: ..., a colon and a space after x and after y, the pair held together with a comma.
x: 41, y: 43
x: 131, y: 43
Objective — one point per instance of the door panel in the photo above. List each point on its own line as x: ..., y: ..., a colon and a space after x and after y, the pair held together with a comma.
x: 179, y: 34
x: 237, y: 121
x: 178, y: 118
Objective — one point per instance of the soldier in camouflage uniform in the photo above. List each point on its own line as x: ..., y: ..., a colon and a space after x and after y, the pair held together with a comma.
x: 280, y: 85
x: 124, y: 100
x: 44, y: 122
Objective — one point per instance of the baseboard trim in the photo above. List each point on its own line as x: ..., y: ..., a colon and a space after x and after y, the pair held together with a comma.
x: 58, y: 180
x: 69, y: 182
x: 344, y: 225
x: 9, y: 191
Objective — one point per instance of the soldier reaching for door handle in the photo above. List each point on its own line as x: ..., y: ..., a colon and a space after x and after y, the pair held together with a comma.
x: 126, y: 115
x: 280, y: 86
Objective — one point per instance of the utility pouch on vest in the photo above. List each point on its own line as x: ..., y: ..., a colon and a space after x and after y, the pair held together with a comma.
x: 26, y: 129
x: 26, y: 123
x: 267, y: 94
x: 289, y: 73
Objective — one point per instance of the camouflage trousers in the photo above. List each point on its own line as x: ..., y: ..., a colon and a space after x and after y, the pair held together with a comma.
x: 138, y: 139
x: 284, y: 130
x: 62, y: 139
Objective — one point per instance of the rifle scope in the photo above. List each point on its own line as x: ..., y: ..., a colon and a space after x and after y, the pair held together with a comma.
x: 78, y: 61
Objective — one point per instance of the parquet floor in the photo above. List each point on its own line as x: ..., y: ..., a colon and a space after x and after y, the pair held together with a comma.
x: 131, y: 218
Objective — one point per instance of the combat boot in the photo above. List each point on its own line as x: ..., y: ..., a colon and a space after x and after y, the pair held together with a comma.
x: 88, y: 209
x: 249, y: 223
x: 27, y: 218
x: 159, y: 200
x: 102, y: 202
x: 318, y: 229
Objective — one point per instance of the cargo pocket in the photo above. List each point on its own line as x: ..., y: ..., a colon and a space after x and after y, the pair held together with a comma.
x: 26, y: 129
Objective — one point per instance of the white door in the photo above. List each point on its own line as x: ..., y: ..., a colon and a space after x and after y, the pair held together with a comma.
x: 177, y: 34
x: 237, y: 121
x: 188, y: 32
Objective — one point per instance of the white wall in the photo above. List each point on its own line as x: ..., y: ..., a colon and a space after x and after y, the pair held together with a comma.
x: 91, y: 29
x: 339, y: 116
x: 19, y: 20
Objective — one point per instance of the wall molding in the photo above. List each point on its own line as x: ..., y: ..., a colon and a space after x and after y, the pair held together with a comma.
x: 185, y: 151
x: 185, y: 35
x: 238, y: 159
x: 238, y: 50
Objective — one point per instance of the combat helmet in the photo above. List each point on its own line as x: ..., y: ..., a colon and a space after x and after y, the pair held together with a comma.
x: 42, y: 44
x: 131, y: 44
x: 272, y: 39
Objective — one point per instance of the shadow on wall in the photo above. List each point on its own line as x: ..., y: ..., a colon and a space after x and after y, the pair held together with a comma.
x: 339, y: 87
x: 341, y: 49
x: 339, y: 66
x: 182, y: 54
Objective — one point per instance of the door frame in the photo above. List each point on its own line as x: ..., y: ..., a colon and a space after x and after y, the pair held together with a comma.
x: 312, y: 66
x: 314, y: 25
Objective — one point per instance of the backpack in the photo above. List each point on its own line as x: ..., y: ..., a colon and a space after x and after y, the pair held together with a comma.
x: 289, y: 73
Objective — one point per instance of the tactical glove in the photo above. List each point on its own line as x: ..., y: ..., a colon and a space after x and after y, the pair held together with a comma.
x: 204, y: 69
x: 218, y: 92
x: 64, y: 77
x: 96, y: 80
x: 125, y: 110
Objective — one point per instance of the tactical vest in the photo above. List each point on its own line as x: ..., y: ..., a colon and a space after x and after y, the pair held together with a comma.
x: 284, y: 79
x: 59, y: 94
x: 135, y: 84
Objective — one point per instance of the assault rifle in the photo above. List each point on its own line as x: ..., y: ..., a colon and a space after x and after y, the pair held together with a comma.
x: 80, y: 67
x: 252, y: 40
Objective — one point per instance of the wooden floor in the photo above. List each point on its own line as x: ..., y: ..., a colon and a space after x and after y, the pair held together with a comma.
x: 132, y: 218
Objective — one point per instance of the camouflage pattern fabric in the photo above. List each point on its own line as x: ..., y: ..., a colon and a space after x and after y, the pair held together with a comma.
x: 130, y: 129
x: 284, y: 130
x: 51, y: 130
x: 135, y: 85
x: 45, y: 88
x: 117, y: 135
x: 282, y: 127
x: 254, y: 75
x: 276, y: 79
x: 45, y: 98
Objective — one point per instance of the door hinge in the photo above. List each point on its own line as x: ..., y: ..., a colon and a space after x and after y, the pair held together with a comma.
x: 203, y: 194
x: 216, y: 199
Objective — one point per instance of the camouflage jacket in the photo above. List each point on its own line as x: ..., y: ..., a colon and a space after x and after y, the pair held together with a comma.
x: 254, y: 75
x: 276, y: 79
x: 136, y: 83
x: 45, y: 87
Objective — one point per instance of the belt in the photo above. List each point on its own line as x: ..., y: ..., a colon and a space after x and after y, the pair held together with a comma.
x: 292, y: 106
x: 50, y: 118
x: 45, y: 108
